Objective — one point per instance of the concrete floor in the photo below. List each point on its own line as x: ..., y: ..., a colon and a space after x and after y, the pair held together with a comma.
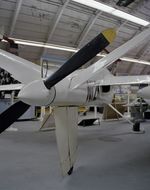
x: 110, y: 157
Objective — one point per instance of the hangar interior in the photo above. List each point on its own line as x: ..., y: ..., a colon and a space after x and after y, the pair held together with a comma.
x: 71, y: 24
x: 113, y: 150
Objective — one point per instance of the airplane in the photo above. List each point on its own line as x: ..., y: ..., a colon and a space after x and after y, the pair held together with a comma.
x: 66, y: 89
x: 145, y: 94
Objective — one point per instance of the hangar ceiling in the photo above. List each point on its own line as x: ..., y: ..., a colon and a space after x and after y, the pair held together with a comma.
x: 64, y: 22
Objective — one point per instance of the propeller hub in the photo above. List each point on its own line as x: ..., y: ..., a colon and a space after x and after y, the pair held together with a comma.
x: 36, y: 93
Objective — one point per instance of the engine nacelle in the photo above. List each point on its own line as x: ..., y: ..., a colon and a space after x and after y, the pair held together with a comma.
x: 36, y: 93
x: 99, y: 95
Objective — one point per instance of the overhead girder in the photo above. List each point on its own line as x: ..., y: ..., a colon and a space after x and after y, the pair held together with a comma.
x: 55, y: 23
x: 15, y: 16
x: 87, y: 28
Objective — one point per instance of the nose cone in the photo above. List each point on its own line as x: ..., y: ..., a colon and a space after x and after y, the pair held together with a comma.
x: 109, y: 34
x: 37, y: 94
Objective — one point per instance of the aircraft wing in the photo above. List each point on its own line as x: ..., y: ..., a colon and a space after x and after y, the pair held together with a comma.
x: 21, y: 69
x: 96, y: 68
x: 11, y: 87
x: 123, y: 80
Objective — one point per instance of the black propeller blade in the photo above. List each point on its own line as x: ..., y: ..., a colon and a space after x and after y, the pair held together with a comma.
x: 10, y: 115
x: 85, y: 54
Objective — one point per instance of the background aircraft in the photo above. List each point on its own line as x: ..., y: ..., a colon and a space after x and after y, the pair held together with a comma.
x: 145, y: 94
x: 66, y: 91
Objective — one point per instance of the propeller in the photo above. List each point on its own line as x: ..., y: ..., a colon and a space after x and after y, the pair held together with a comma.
x: 10, y: 115
x: 77, y: 60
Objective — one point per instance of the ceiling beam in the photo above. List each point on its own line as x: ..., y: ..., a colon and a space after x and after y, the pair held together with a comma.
x: 93, y: 20
x: 139, y: 5
x: 0, y: 3
x: 56, y: 20
x: 141, y: 54
x: 131, y: 65
x: 85, y: 32
x: 87, y: 28
x: 134, y: 9
x: 55, y: 23
x: 142, y: 50
x: 16, y: 13
x: 144, y: 47
x: 145, y: 70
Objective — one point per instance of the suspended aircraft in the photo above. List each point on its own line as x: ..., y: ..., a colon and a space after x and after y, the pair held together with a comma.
x: 67, y: 88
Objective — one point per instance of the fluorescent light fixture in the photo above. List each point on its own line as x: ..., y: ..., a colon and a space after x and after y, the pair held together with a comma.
x: 113, y: 11
x: 96, y: 5
x: 135, y: 60
x: 44, y: 45
x: 131, y: 18
x: 128, y: 59
x: 70, y: 49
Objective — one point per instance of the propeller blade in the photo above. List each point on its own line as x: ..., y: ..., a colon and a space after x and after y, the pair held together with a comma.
x: 10, y: 115
x: 85, y: 54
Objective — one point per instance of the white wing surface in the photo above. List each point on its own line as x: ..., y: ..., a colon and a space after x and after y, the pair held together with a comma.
x: 123, y: 80
x: 21, y: 69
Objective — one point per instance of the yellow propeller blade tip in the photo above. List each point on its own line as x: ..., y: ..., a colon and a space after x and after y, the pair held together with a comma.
x: 110, y: 34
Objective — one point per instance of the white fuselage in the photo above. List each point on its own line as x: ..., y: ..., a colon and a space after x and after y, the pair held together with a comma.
x: 35, y: 93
